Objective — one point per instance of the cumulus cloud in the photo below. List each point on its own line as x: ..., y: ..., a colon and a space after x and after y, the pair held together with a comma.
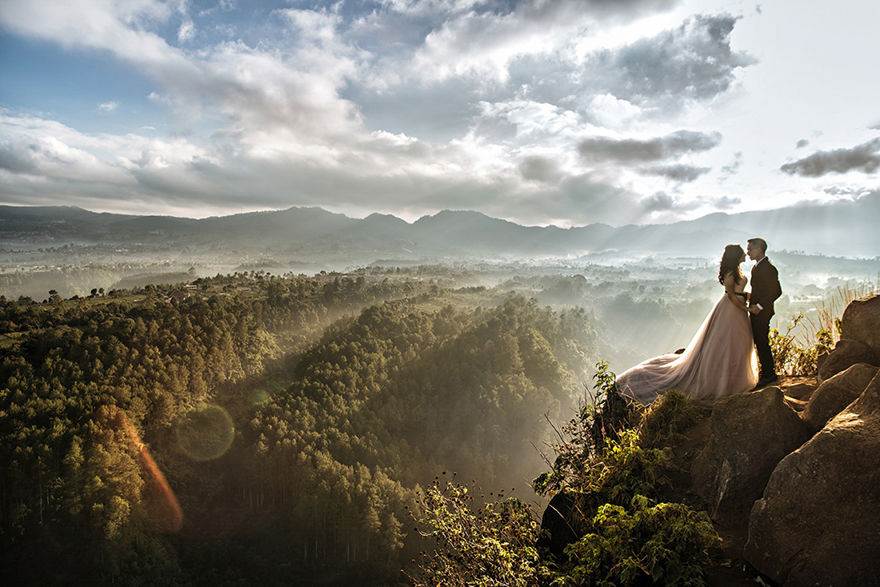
x: 541, y: 169
x: 648, y: 77
x: 50, y: 160
x: 527, y: 119
x: 186, y: 32
x: 256, y: 88
x: 853, y: 192
x: 694, y: 61
x: 726, y: 202
x: 658, y: 202
x: 108, y: 106
x: 595, y: 149
x: 610, y: 111
x: 67, y: 161
x: 734, y: 166
x: 537, y: 8
x: 802, y: 143
x: 680, y: 173
x: 864, y: 157
x: 484, y: 37
x: 385, y: 172
x: 477, y: 105
x: 122, y: 28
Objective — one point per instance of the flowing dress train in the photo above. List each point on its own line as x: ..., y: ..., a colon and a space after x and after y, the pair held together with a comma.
x: 720, y: 360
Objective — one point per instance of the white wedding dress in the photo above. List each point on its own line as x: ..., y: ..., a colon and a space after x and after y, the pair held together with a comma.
x: 719, y: 361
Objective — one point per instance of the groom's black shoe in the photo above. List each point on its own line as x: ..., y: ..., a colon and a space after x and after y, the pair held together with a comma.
x: 766, y: 380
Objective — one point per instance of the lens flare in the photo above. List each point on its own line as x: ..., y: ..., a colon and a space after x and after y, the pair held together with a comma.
x: 205, y: 433
x: 259, y: 396
x: 159, y: 499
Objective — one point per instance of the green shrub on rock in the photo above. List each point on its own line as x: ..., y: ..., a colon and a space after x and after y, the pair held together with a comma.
x: 486, y: 544
x: 646, y: 543
x: 611, y: 469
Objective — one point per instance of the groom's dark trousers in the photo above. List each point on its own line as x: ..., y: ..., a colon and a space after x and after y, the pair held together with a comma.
x: 761, y: 334
x: 765, y: 291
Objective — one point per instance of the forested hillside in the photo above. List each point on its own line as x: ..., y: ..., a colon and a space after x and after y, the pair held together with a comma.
x: 293, y: 419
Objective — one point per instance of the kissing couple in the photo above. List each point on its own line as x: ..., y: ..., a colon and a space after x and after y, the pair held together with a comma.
x: 722, y: 357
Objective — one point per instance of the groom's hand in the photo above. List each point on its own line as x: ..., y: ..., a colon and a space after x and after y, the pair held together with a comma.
x: 754, y: 309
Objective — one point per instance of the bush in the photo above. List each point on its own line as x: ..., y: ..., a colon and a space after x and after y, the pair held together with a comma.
x: 612, y: 470
x: 791, y: 358
x: 586, y: 436
x: 664, y: 543
x: 487, y: 545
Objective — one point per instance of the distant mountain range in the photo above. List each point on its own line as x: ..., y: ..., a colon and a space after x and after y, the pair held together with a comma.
x: 843, y: 228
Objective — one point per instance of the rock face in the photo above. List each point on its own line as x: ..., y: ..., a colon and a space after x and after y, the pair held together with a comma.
x: 861, y: 321
x: 561, y: 523
x: 801, y: 391
x: 818, y: 522
x: 836, y: 393
x: 750, y: 434
x: 846, y: 353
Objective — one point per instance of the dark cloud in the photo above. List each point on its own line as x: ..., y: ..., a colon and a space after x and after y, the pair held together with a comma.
x: 659, y: 74
x: 864, y: 157
x: 693, y: 61
x: 682, y: 173
x: 850, y: 192
x: 659, y: 202
x: 539, y: 169
x: 734, y: 166
x: 599, y: 9
x: 15, y: 158
x: 643, y: 151
x: 802, y: 143
x: 726, y: 202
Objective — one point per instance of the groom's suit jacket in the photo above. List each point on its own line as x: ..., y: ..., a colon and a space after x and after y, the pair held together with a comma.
x: 765, y: 285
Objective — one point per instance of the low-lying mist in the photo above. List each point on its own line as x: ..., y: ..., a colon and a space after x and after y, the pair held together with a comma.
x: 643, y: 305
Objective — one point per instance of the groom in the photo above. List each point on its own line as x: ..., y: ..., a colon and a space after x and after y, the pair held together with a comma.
x: 765, y: 290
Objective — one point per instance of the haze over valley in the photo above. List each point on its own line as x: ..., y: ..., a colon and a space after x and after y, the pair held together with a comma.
x: 649, y: 286
x: 284, y: 283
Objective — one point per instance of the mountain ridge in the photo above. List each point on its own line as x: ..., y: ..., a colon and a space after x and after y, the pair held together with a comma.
x: 844, y: 228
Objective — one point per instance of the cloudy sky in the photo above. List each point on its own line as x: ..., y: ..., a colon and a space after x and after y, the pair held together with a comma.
x: 539, y: 111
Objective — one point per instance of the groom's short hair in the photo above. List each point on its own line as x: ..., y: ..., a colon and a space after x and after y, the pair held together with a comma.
x: 760, y: 243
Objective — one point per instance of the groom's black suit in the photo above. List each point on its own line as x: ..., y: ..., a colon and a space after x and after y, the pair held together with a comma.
x: 765, y: 291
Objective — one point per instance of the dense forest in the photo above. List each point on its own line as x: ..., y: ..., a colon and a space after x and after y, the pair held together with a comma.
x: 253, y: 427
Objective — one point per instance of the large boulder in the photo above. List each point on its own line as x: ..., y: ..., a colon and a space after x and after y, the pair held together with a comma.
x: 818, y: 522
x: 836, y: 393
x: 846, y: 353
x: 750, y: 434
x: 861, y: 321
x: 563, y: 522
x: 801, y: 390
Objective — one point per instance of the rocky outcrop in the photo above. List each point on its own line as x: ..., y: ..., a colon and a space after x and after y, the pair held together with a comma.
x: 836, y: 393
x: 846, y: 353
x: 791, y: 474
x: 560, y: 523
x: 801, y: 391
x: 750, y: 434
x: 861, y: 321
x: 818, y: 522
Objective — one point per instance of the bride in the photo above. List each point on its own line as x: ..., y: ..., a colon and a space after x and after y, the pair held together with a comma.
x: 719, y: 361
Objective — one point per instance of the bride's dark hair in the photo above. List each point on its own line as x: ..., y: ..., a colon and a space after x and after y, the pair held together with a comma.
x: 730, y: 263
